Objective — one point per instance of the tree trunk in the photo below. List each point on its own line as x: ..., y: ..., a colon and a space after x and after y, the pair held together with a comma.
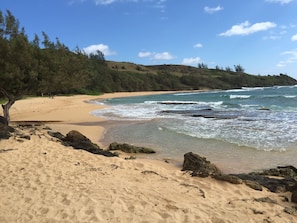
x: 6, y: 108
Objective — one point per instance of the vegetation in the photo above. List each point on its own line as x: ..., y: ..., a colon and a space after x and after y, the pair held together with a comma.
x: 43, y: 67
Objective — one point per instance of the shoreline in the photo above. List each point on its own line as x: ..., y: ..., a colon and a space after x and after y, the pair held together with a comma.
x: 66, y: 113
x: 45, y: 181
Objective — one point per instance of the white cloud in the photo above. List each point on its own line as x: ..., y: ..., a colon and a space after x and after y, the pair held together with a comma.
x: 156, y: 56
x: 198, y: 45
x: 292, y: 58
x: 157, y: 3
x: 144, y: 54
x: 212, y: 10
x: 103, y: 48
x: 275, y: 35
x: 191, y: 61
x: 282, y: 2
x: 160, y: 4
x: 104, y: 2
x: 294, y: 38
x: 246, y: 28
x: 163, y: 56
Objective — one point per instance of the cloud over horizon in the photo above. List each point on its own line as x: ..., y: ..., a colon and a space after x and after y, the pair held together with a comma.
x: 246, y: 28
x: 292, y: 58
x: 191, y: 61
x: 156, y: 56
x: 101, y: 47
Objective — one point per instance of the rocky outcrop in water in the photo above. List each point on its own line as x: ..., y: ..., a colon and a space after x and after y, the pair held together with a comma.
x: 127, y: 148
x: 205, y: 113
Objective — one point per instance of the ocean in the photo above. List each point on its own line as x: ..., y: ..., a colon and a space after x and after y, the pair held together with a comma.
x: 240, y: 130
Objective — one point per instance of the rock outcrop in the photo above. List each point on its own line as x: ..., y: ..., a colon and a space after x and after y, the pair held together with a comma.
x: 277, y: 180
x: 79, y: 141
x: 127, y: 148
x: 199, y: 166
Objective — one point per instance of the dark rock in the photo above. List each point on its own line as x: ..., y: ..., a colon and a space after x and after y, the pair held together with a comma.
x: 277, y: 180
x: 24, y: 137
x: 276, y: 185
x: 5, y: 131
x: 286, y: 178
x: 199, y: 166
x: 229, y: 178
x: 280, y: 171
x: 291, y: 210
x: 253, y: 184
x: 294, y: 197
x: 57, y: 135
x: 79, y: 141
x: 265, y: 200
x: 127, y: 148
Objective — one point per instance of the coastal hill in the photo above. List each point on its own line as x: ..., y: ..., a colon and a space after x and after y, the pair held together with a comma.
x: 182, y: 77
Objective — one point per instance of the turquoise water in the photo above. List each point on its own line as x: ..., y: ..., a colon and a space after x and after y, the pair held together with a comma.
x: 239, y: 130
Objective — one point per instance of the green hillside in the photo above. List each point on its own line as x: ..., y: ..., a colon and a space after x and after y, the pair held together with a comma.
x: 189, y: 77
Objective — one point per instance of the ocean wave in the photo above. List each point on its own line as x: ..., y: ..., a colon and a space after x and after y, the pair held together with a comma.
x: 236, y: 96
x: 187, y: 93
x: 261, y: 135
x: 290, y: 96
x: 254, y: 88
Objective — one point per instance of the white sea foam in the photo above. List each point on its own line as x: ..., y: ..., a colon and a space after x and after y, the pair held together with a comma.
x: 254, y: 88
x: 241, y: 124
x: 237, y: 96
x: 290, y: 96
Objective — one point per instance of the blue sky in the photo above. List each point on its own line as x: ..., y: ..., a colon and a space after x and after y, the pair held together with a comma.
x: 260, y: 35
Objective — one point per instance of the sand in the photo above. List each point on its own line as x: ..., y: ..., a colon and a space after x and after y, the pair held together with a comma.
x: 44, y: 181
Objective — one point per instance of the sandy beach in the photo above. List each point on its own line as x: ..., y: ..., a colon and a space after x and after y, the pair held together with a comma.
x: 43, y: 181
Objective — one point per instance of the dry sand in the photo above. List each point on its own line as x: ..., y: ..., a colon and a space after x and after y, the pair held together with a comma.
x: 43, y: 181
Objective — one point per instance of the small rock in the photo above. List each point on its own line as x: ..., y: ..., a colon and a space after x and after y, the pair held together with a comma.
x: 57, y: 135
x: 127, y: 148
x: 254, y: 185
x: 229, y: 178
x: 199, y: 166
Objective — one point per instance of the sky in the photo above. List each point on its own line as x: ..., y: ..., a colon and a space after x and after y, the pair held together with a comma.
x: 258, y: 35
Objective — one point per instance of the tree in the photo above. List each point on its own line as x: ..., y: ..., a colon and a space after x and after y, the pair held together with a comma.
x: 202, y: 66
x: 17, y: 75
x: 228, y: 69
x: 99, y: 56
x: 239, y: 68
